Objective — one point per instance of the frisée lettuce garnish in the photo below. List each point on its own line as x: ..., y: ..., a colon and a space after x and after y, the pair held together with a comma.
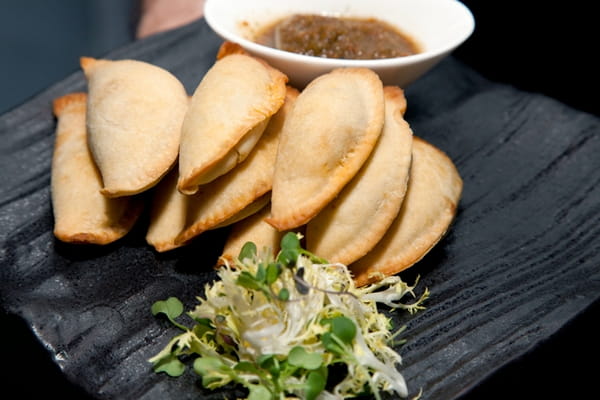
x: 279, y: 325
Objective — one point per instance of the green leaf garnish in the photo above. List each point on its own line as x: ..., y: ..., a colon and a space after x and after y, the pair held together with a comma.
x: 248, y: 281
x: 299, y: 357
x: 275, y: 324
x: 343, y: 328
x: 291, y: 248
x: 259, y: 392
x: 291, y: 241
x: 248, y: 251
x: 284, y: 294
x: 170, y: 365
x: 247, y: 367
x: 332, y: 343
x: 215, y: 373
x: 271, y: 364
x: 261, y: 273
x: 171, y: 308
x: 315, y: 384
x: 273, y: 272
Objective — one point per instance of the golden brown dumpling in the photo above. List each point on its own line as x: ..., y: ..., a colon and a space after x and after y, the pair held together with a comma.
x: 167, y: 215
x: 252, y: 229
x: 329, y: 134
x: 81, y: 213
x: 135, y: 112
x: 349, y: 226
x: 228, y: 113
x: 222, y: 200
x: 434, y: 190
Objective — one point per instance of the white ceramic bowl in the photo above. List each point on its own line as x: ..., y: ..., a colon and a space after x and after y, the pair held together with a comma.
x: 438, y: 26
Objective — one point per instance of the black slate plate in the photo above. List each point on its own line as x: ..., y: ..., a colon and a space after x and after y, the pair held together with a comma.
x: 521, y: 260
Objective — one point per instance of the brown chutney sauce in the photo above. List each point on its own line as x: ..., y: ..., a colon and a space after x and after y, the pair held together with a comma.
x: 337, y: 37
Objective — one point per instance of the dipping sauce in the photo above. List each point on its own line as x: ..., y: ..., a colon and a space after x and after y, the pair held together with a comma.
x: 337, y: 37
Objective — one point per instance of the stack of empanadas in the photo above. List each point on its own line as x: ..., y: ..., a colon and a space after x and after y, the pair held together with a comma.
x: 82, y: 214
x: 336, y: 161
x: 352, y: 178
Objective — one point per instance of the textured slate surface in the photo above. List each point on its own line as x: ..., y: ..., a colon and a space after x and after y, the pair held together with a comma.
x: 521, y: 260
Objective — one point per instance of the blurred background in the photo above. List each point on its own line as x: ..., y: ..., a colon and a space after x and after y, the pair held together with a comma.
x: 540, y: 47
x: 41, y: 40
x: 547, y: 48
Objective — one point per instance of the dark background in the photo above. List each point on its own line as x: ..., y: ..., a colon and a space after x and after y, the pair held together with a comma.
x: 544, y: 47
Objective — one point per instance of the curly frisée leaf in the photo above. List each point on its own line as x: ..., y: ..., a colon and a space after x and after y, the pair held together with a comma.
x: 276, y: 324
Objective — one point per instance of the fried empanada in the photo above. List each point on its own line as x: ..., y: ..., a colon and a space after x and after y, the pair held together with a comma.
x: 228, y: 113
x: 167, y: 215
x: 81, y: 213
x: 227, y: 196
x: 252, y: 229
x: 247, y: 211
x: 349, y: 226
x: 329, y: 134
x: 135, y: 112
x: 169, y: 212
x: 434, y: 190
